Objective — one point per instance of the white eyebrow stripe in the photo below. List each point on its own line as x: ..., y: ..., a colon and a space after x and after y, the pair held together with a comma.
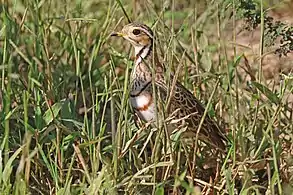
x: 147, y: 32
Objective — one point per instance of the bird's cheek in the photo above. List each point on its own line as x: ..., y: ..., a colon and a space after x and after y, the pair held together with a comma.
x: 144, y: 41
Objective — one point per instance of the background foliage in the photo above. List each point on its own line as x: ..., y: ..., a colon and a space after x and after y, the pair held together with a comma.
x: 65, y: 123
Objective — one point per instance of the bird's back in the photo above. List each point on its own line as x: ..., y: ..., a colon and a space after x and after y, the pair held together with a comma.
x: 185, y: 105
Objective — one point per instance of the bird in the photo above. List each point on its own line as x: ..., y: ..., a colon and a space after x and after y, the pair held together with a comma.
x: 183, y: 104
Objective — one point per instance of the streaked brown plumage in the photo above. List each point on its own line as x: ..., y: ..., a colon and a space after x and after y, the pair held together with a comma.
x: 183, y: 104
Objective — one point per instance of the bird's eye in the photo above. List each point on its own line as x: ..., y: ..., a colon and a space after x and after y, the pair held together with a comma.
x: 136, y: 32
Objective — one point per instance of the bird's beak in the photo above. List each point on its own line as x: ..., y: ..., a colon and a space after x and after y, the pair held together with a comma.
x: 117, y: 34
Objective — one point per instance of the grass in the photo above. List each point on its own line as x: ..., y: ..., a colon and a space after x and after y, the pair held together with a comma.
x: 66, y: 125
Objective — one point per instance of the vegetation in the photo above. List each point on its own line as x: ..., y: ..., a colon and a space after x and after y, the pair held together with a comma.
x: 66, y: 126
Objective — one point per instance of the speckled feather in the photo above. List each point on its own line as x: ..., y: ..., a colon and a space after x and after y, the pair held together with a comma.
x: 183, y: 102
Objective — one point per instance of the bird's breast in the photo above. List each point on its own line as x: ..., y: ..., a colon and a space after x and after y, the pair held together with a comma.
x: 143, y: 104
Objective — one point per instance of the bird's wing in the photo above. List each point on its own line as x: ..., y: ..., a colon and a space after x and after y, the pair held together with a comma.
x: 182, y: 104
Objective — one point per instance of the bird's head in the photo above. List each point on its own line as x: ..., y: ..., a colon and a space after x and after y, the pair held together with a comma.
x: 139, y: 35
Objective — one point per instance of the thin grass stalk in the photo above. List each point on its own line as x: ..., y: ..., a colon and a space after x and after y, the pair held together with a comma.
x: 158, y: 113
x: 205, y: 112
x: 117, y: 145
x: 261, y: 41
x: 269, y: 126
x: 7, y: 91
